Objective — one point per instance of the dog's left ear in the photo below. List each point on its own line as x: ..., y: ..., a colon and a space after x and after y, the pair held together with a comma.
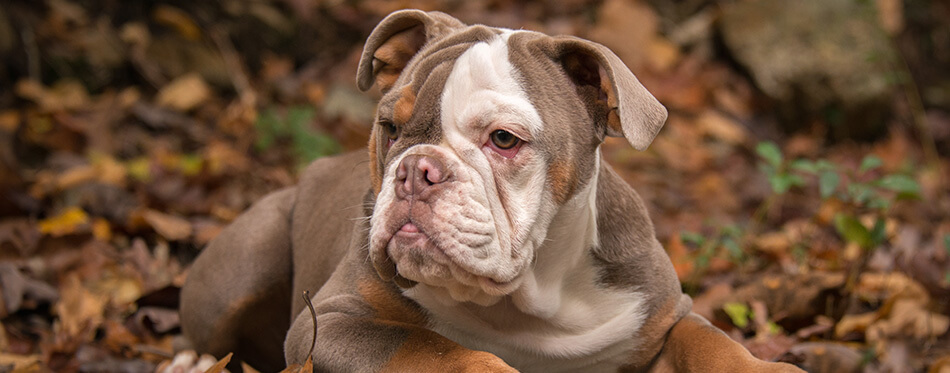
x: 632, y: 112
x: 395, y: 40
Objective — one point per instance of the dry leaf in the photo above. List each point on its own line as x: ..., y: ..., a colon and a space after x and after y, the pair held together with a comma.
x: 720, y: 127
x: 219, y: 366
x: 171, y: 227
x: 184, y: 93
x: 773, y: 243
x: 307, y: 367
x: 21, y: 363
x: 80, y: 311
x: 69, y: 221
x: 178, y: 20
x: 824, y: 357
x: 20, y: 235
x: 855, y: 323
x: 682, y: 262
x: 15, y: 288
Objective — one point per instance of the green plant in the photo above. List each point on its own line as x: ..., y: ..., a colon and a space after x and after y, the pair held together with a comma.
x: 725, y: 242
x: 864, y: 192
x: 307, y: 144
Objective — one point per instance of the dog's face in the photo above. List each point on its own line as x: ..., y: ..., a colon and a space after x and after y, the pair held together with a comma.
x: 482, y: 135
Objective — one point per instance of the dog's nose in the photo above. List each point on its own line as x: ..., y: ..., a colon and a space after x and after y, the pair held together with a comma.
x: 416, y: 173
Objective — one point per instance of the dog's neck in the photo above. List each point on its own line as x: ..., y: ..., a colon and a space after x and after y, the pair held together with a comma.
x: 562, y: 254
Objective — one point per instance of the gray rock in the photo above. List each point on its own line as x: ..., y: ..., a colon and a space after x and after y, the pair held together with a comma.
x: 824, y: 60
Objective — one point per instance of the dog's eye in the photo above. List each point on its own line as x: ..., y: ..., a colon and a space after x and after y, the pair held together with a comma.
x: 390, y: 129
x: 504, y: 139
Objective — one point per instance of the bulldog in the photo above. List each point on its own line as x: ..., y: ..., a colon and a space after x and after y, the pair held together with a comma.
x: 487, y: 235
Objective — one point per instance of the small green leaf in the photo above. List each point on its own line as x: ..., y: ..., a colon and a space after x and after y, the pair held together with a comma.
x: 860, y: 193
x: 804, y: 165
x: 774, y: 329
x: 902, y: 184
x: 825, y: 165
x: 878, y: 203
x: 735, y: 252
x: 738, y: 312
x: 770, y: 152
x: 878, y: 233
x: 870, y: 162
x: 852, y: 230
x: 827, y: 183
x: 946, y: 243
x: 693, y: 238
x: 732, y: 230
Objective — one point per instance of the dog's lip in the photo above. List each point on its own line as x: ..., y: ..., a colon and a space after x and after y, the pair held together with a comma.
x: 410, y: 232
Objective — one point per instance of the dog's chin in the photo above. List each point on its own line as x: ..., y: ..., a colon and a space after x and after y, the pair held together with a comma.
x: 417, y: 259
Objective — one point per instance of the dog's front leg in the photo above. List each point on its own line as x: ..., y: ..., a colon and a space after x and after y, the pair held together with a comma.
x: 695, y: 345
x: 370, y: 328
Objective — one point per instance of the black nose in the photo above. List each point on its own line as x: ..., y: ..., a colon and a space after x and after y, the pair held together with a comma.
x: 417, y: 173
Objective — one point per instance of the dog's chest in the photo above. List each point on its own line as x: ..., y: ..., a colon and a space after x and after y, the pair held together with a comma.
x: 593, y: 329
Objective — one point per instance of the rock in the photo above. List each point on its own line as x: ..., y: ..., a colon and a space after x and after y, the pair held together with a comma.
x: 824, y: 60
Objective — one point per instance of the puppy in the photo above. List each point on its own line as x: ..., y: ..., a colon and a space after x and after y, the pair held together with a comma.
x: 488, y: 234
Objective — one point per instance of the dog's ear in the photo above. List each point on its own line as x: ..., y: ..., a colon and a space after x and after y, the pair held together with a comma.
x: 395, y: 41
x: 632, y: 112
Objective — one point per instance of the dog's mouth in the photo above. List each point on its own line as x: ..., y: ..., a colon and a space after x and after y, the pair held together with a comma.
x: 417, y: 252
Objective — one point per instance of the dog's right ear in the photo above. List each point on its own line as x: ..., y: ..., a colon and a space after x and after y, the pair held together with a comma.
x: 395, y: 41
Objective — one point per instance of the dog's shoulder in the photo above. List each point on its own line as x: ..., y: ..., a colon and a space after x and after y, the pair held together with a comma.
x: 628, y: 252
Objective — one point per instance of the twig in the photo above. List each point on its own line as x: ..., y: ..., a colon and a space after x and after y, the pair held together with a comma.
x: 32, y: 53
x: 143, y: 348
x: 232, y: 61
x: 313, y: 316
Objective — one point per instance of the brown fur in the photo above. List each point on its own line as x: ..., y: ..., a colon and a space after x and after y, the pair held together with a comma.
x: 402, y: 111
x: 426, y: 351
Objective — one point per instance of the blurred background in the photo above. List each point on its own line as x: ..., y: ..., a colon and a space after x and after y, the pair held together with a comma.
x: 800, y: 185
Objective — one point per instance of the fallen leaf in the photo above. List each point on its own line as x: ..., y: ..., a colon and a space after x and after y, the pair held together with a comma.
x: 718, y: 126
x: 908, y: 318
x: 69, y: 221
x: 171, y: 227
x: 80, y: 311
x: 20, y: 235
x: 824, y: 357
x: 794, y: 301
x: 307, y: 367
x: 21, y: 363
x: 682, y: 262
x: 855, y: 323
x: 942, y: 365
x: 158, y: 320
x: 178, y: 20
x: 773, y: 243
x: 184, y: 93
x: 15, y: 289
x: 219, y: 366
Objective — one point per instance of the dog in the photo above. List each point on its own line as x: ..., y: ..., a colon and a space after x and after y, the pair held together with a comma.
x: 489, y: 235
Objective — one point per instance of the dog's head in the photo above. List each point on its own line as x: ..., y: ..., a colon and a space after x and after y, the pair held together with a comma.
x: 481, y: 136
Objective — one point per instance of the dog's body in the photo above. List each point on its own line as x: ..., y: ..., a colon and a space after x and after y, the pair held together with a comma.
x: 488, y: 234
